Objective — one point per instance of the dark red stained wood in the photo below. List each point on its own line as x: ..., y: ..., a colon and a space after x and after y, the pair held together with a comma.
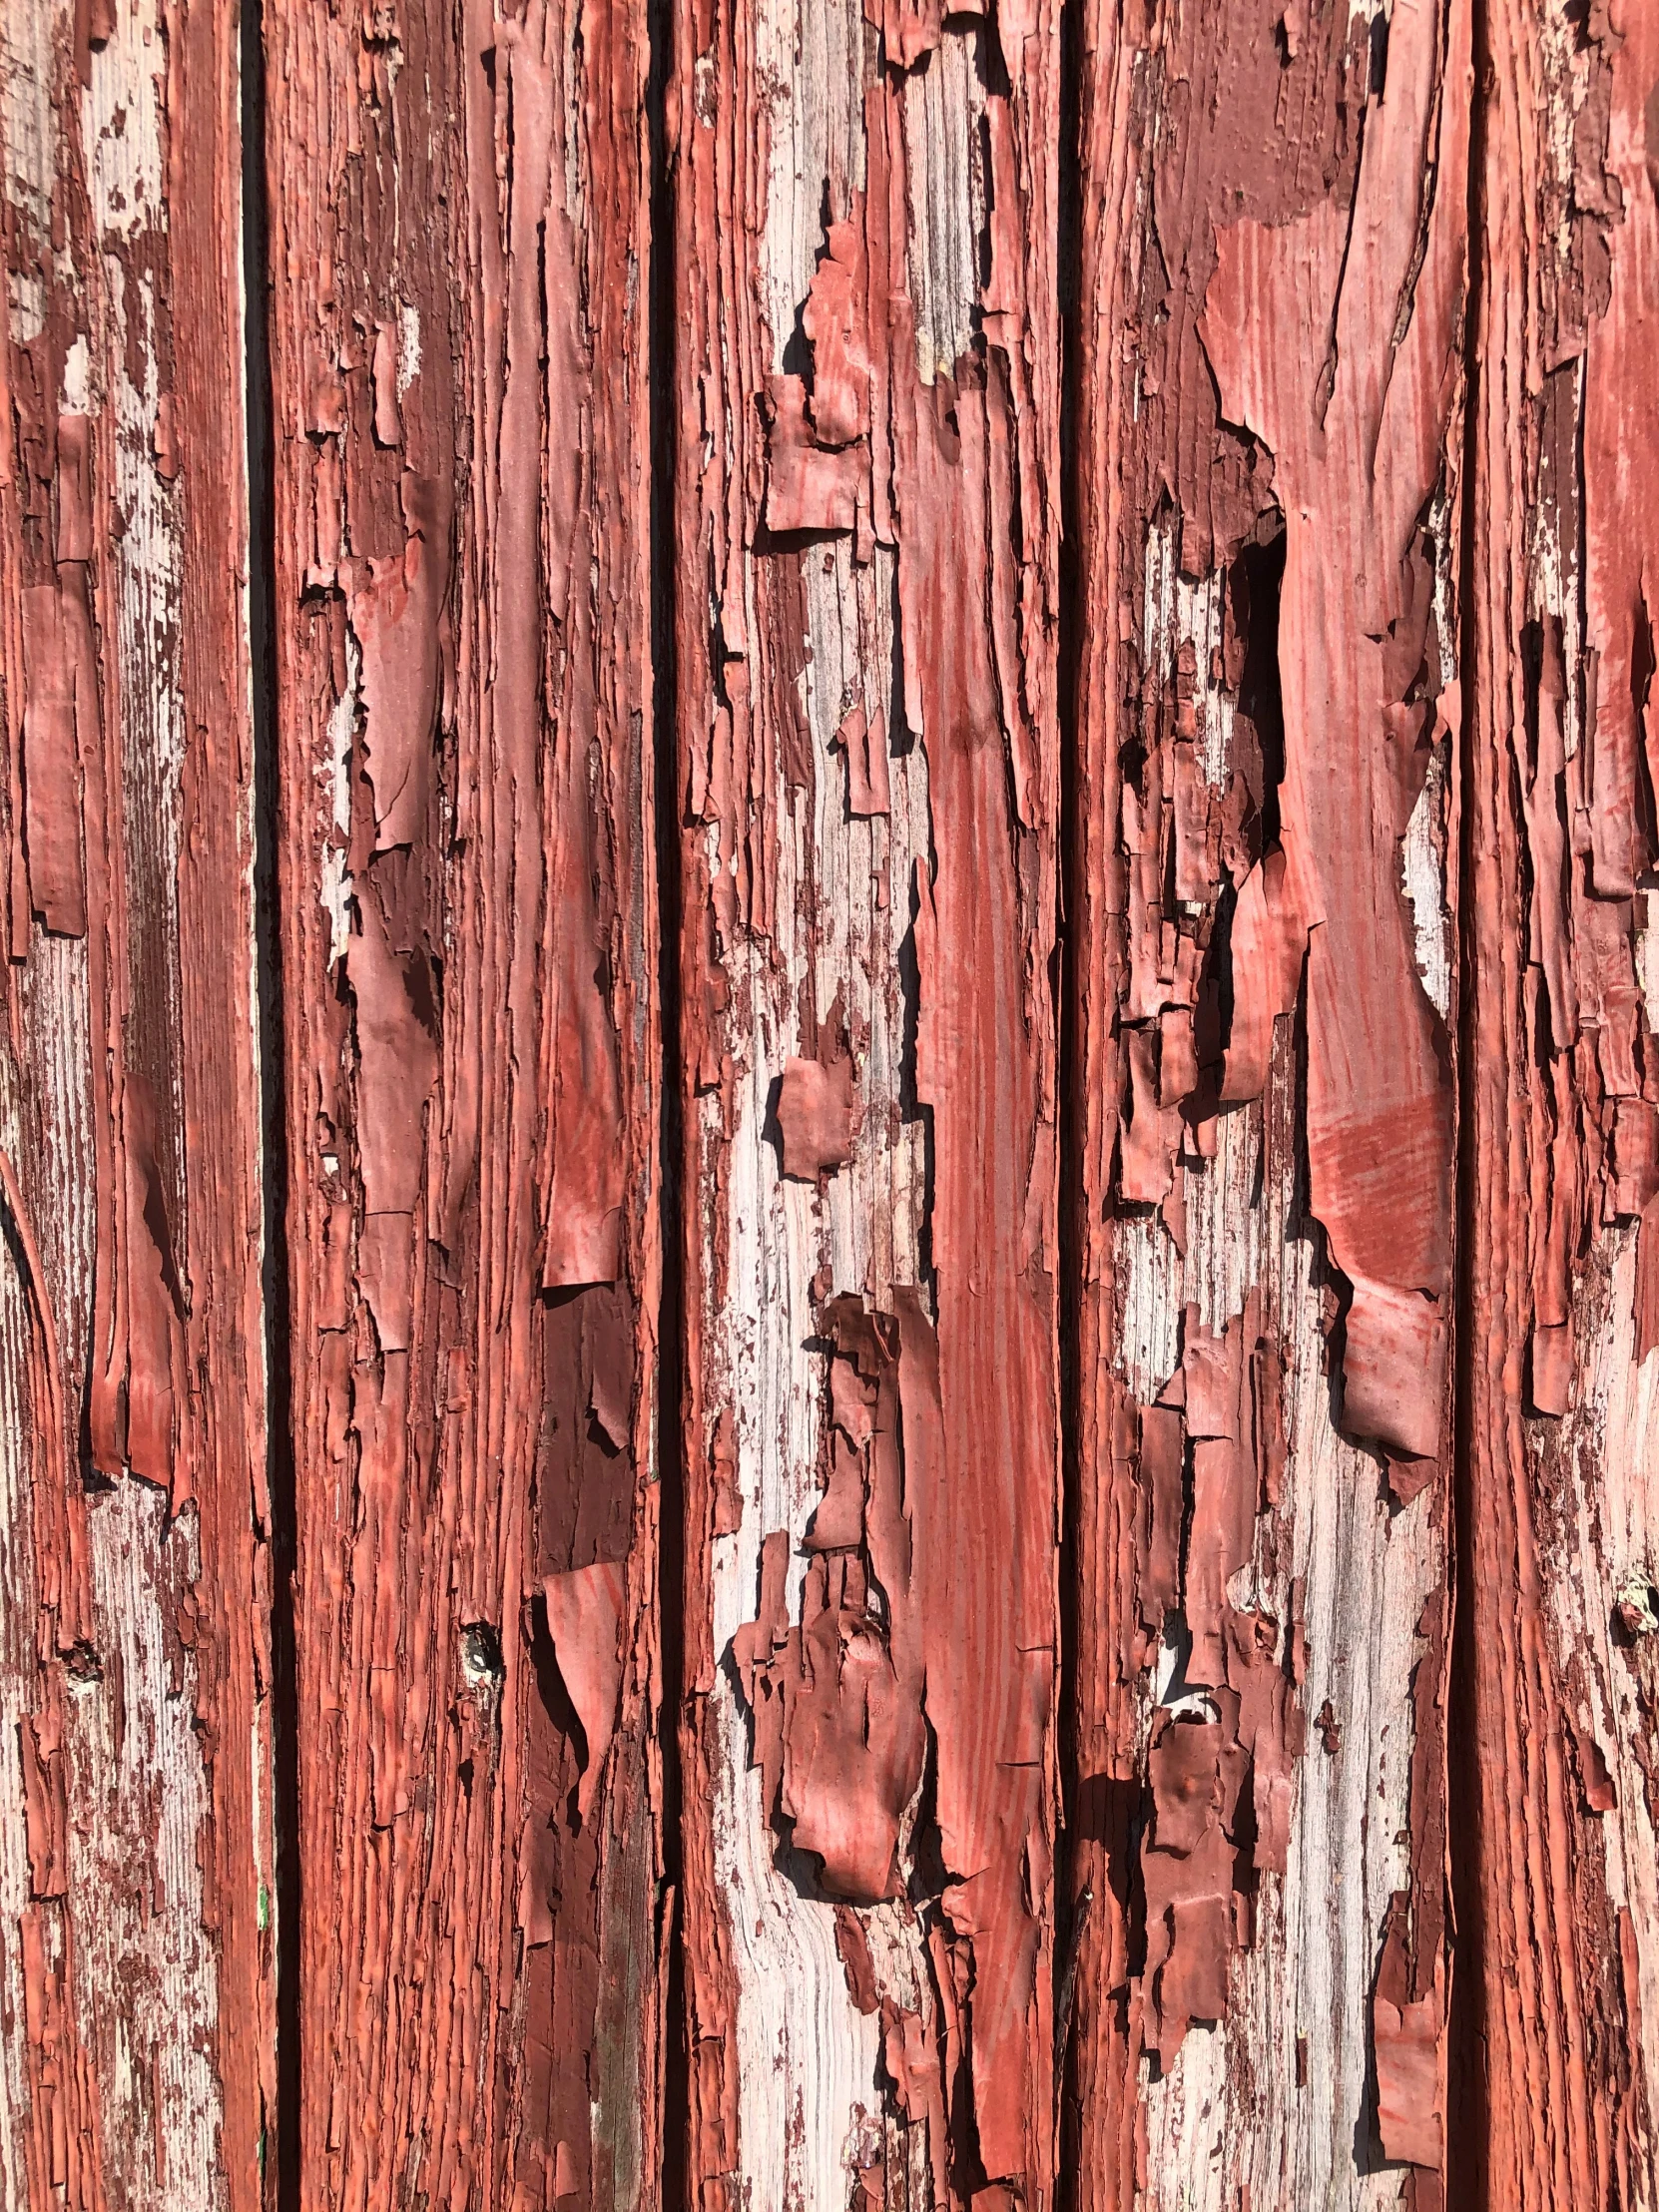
x: 460, y: 273
x: 1561, y: 1623
x: 137, y: 2047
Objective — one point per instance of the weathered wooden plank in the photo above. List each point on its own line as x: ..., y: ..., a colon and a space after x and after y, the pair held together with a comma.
x: 1269, y: 357
x: 136, y: 2015
x: 867, y: 373
x: 1561, y: 1891
x: 460, y: 284
x: 1292, y: 964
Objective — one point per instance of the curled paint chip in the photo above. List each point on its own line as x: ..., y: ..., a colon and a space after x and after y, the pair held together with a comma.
x: 818, y: 1116
x: 584, y: 1619
x: 808, y: 486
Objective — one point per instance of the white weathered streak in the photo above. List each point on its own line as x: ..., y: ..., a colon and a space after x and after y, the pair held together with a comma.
x: 1211, y: 2122
x: 335, y: 889
x: 809, y: 2089
x: 809, y: 2077
x: 408, y: 346
x: 1608, y: 1450
x: 1365, y: 1572
x: 143, y: 1563
x: 945, y: 107
x: 30, y: 38
x: 135, y: 1756
x: 1423, y: 847
x: 17, y: 1621
x: 145, y: 1985
x: 1647, y: 958
x: 1423, y: 876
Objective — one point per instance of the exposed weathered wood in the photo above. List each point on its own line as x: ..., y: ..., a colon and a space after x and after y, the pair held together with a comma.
x: 1336, y: 1310
x: 1561, y: 1621
x: 867, y: 529
x: 135, y: 1994
x: 1269, y: 347
x: 460, y: 284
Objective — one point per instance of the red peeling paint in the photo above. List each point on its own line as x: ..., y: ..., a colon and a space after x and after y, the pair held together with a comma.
x: 818, y: 1116
x: 1126, y: 535
x: 51, y: 770
x: 1558, y: 1663
x: 1409, y: 2039
x: 1273, y: 276
x: 139, y: 2001
x: 838, y: 1702
x: 468, y: 909
x: 922, y: 1651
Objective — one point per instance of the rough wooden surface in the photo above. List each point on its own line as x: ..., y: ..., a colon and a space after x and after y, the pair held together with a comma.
x: 944, y: 881
x: 1558, y: 1872
x: 1272, y: 283
x: 867, y: 512
x: 459, y: 280
x: 136, y: 1991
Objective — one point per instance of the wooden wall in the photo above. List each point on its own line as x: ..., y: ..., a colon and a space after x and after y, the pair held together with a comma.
x: 829, y: 1105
